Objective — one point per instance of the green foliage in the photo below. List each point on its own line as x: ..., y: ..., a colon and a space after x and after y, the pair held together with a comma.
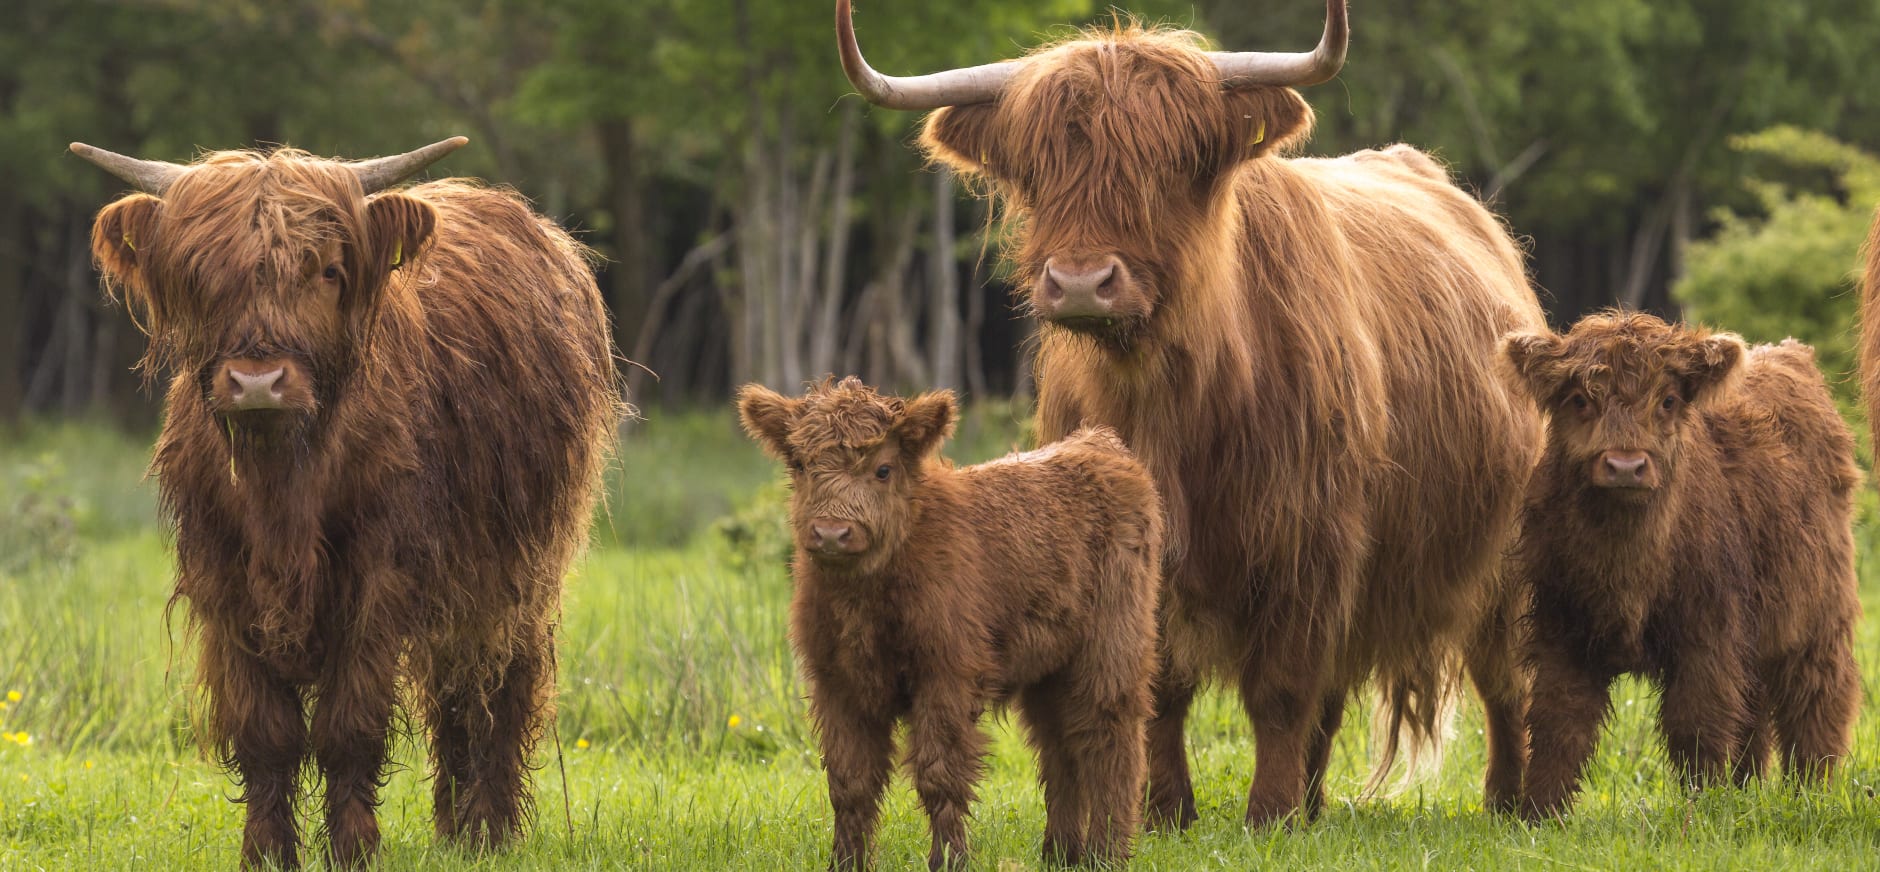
x: 1787, y: 267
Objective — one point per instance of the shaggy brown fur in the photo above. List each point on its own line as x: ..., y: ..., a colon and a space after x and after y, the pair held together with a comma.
x: 448, y: 394
x: 925, y: 592
x: 1303, y: 354
x: 1690, y: 522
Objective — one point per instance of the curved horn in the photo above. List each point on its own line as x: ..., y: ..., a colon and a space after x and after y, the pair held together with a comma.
x: 1240, y: 69
x: 149, y: 176
x: 980, y: 84
x: 379, y: 173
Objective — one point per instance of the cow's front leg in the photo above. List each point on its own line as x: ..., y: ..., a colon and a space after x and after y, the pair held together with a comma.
x: 257, y: 718
x: 1286, y: 706
x: 944, y: 757
x: 351, y: 723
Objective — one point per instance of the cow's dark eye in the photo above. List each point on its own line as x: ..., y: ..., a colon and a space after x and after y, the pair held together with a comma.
x: 1670, y: 404
x: 881, y: 472
x: 1578, y: 402
x: 331, y: 273
x: 796, y: 466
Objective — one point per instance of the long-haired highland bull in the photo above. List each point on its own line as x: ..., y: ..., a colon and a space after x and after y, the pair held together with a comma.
x: 382, y: 440
x: 1303, y: 353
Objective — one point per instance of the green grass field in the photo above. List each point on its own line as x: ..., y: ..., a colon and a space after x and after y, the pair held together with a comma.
x: 682, y: 731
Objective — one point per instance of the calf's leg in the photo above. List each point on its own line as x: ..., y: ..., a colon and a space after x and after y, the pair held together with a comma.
x: 944, y: 753
x: 1705, y: 713
x: 1814, y: 706
x: 1569, y: 704
x: 1065, y: 809
x: 857, y: 751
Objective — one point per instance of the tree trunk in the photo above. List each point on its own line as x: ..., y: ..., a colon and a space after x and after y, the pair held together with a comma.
x: 943, y: 289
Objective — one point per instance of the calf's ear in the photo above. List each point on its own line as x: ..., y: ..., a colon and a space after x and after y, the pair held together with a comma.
x: 962, y: 138
x: 926, y: 421
x: 768, y: 417
x: 1709, y: 365
x: 1530, y: 363
x: 121, y: 239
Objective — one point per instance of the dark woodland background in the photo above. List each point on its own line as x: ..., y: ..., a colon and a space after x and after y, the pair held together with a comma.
x: 758, y: 222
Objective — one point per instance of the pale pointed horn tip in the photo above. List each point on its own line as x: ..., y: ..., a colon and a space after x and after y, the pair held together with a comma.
x: 148, y: 176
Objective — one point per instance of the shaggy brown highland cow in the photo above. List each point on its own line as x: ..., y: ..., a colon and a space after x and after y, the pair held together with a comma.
x: 1689, y: 522
x: 1303, y: 353
x: 924, y: 593
x: 383, y: 434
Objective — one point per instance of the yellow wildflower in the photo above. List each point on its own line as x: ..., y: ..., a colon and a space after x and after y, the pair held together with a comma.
x: 87, y: 764
x: 734, y: 722
x: 581, y: 743
x: 13, y: 696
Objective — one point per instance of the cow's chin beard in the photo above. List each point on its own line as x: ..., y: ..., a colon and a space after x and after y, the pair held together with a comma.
x: 265, y: 434
x: 1120, y: 337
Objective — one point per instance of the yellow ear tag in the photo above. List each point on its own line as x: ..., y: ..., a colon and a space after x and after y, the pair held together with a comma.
x: 1261, y: 135
x: 398, y: 253
x: 127, y: 242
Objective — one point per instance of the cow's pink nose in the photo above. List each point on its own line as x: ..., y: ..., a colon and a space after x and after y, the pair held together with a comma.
x: 255, y: 390
x: 1624, y: 469
x: 1073, y: 290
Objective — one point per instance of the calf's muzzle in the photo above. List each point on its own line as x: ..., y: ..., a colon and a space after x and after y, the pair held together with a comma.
x: 1625, y: 469
x: 835, y: 538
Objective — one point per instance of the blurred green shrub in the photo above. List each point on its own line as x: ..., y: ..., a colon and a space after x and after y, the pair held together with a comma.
x: 1789, y: 266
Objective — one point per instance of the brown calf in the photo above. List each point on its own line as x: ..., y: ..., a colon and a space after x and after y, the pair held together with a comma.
x: 1689, y: 522
x: 925, y: 592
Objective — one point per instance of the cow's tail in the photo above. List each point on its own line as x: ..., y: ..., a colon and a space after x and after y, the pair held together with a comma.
x: 1413, y: 718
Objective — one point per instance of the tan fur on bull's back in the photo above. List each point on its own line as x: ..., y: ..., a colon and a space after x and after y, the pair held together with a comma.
x: 1690, y: 522
x: 926, y: 593
x: 410, y: 515
x: 1303, y: 354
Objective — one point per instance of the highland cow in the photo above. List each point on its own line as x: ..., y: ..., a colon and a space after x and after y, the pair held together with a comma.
x: 1690, y: 522
x: 1302, y: 351
x: 925, y: 593
x: 380, y: 450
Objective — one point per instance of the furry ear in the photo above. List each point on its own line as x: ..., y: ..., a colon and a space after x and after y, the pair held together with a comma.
x: 1261, y: 119
x: 926, y: 421
x: 1710, y: 364
x: 1528, y: 363
x: 121, y: 239
x: 398, y: 226
x: 962, y: 138
x: 768, y: 417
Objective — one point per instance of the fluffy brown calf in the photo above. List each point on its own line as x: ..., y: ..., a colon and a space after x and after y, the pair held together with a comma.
x: 380, y: 447
x: 1689, y: 522
x: 925, y: 593
x: 1302, y: 352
